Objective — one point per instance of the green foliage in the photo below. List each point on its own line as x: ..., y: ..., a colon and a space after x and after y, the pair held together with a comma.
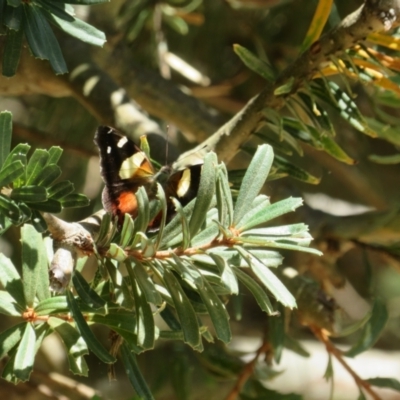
x: 185, y: 270
x: 195, y: 267
x: 28, y: 185
x: 32, y: 19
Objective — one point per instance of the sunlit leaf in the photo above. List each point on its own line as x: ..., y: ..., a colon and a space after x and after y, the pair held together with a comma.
x: 253, y: 181
x: 25, y: 356
x: 317, y: 24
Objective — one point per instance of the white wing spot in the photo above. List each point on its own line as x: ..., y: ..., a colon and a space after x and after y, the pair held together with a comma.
x: 130, y: 165
x: 122, y: 141
x: 108, y: 149
x: 184, y: 183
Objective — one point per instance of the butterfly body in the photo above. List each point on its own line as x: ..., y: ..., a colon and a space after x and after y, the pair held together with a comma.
x: 125, y: 168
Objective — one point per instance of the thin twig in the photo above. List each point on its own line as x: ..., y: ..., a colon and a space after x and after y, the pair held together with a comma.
x: 331, y: 349
x: 247, y: 372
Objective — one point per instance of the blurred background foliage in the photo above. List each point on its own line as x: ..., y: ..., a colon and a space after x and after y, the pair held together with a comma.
x: 192, y: 65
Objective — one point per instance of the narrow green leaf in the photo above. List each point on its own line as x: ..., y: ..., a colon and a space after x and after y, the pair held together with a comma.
x: 25, y: 211
x: 60, y: 190
x: 288, y: 168
x: 8, y: 306
x: 48, y: 175
x: 316, y: 138
x: 205, y: 193
x: 25, y: 356
x: 10, y: 337
x: 11, y: 280
x: 11, y: 172
x: 254, y: 63
x: 32, y: 261
x: 13, y: 18
x: 184, y: 235
x: 177, y: 23
x: 41, y: 39
x: 386, y: 160
x: 52, y: 305
x: 170, y: 319
x: 264, y: 214
x: 285, y: 88
x: 163, y: 203
x: 5, y: 135
x: 228, y: 277
x: 142, y: 220
x: 75, y: 345
x: 317, y: 113
x: 134, y: 375
x: 127, y: 231
x: 260, y: 203
x: 257, y: 291
x: 73, y: 26
x: 174, y: 228
x: 390, y: 383
x: 268, y: 279
x: 145, y: 328
x: 19, y: 152
x: 329, y: 372
x: 371, y: 330
x: 276, y: 332
x: 253, y: 181
x: 122, y: 320
x: 146, y: 284
x: 206, y: 235
x: 138, y: 24
x: 187, y: 271
x: 50, y: 205
x: 5, y: 223
x: 42, y: 269
x: 9, y: 371
x: 267, y: 257
x: 12, y: 52
x: 36, y: 163
x: 55, y: 153
x: 85, y: 292
x: 384, y: 131
x: 38, y: 221
x: 216, y: 309
x: 330, y: 92
x: 94, y: 345
x: 184, y: 309
x: 32, y: 194
x: 224, y: 198
x: 10, y: 209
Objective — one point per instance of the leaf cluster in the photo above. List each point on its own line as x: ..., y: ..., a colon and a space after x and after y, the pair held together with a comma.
x: 187, y: 270
x: 33, y: 20
x: 28, y: 185
x: 313, y: 107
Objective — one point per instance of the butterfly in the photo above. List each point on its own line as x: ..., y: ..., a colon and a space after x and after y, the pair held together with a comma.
x: 125, y: 168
